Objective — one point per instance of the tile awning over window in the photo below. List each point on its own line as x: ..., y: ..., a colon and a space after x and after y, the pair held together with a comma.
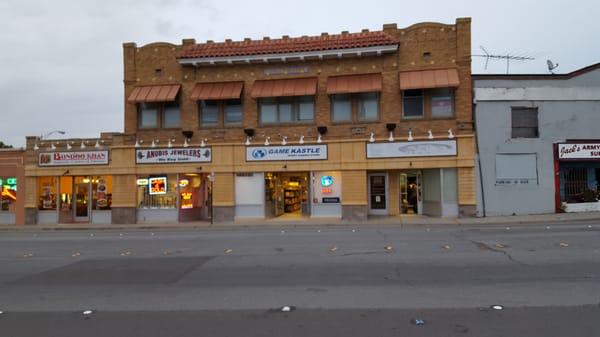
x: 154, y: 93
x: 284, y: 87
x: 354, y: 83
x: 217, y: 90
x: 424, y: 79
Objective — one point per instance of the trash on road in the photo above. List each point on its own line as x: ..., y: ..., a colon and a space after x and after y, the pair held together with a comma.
x: 87, y: 312
x: 76, y: 254
x: 446, y: 246
x: 354, y: 231
x: 507, y: 228
x: 563, y: 244
x: 417, y: 321
x: 333, y: 249
x: 500, y: 245
x: 167, y: 252
x: 228, y: 250
x: 287, y: 308
x: 126, y: 253
x: 497, y: 307
x: 28, y: 255
x: 388, y: 248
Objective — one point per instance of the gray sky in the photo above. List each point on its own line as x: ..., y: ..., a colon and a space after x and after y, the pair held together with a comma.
x: 61, y: 61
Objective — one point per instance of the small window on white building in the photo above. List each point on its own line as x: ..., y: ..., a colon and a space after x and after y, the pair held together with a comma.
x: 524, y: 122
x: 516, y: 169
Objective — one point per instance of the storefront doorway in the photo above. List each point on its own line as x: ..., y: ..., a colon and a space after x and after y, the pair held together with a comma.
x: 287, y: 194
x: 410, y: 193
x: 82, y: 197
x: 378, y: 204
x: 193, y: 197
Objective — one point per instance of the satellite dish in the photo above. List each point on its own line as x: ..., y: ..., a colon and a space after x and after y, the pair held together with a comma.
x: 551, y: 66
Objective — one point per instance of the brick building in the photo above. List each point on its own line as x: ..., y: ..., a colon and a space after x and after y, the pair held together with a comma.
x: 338, y: 125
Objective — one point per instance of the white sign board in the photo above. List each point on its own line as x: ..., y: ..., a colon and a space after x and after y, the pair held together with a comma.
x: 412, y: 149
x: 73, y: 158
x: 287, y: 152
x: 579, y: 151
x: 174, y: 155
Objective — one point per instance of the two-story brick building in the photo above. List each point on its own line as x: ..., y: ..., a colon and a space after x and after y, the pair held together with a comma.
x: 338, y: 125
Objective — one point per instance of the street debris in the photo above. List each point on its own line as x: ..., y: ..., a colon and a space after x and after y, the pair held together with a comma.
x: 500, y: 245
x: 287, y: 308
x: 497, y: 307
x: 167, y: 252
x: 446, y: 246
x: 388, y: 248
x: 507, y: 228
x: 318, y: 231
x: 333, y: 249
x: 76, y: 254
x: 152, y: 234
x: 28, y: 255
x: 126, y: 253
x: 228, y: 250
x: 547, y: 227
x: 563, y: 244
x: 417, y: 321
x: 354, y: 231
x: 427, y: 229
x: 282, y: 232
x: 92, y: 234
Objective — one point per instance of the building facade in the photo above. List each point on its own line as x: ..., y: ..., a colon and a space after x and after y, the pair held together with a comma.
x: 539, y: 145
x: 338, y: 125
x: 12, y: 185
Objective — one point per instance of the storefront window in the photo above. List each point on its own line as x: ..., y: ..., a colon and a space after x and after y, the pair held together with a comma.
x: 8, y: 194
x: 46, y: 193
x: 157, y: 191
x: 101, y: 193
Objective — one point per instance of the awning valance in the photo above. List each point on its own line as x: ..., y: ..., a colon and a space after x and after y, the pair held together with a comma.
x: 217, y: 90
x: 354, y: 83
x: 284, y: 87
x: 424, y: 79
x: 154, y: 93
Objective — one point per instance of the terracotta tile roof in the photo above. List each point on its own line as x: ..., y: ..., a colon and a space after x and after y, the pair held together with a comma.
x: 154, y: 93
x: 349, y: 84
x: 288, y: 45
x: 423, y: 79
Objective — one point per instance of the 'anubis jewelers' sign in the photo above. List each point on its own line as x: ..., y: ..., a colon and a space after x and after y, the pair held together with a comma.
x: 174, y: 155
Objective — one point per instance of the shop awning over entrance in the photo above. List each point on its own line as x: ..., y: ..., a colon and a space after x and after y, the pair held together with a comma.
x: 285, y: 87
x: 425, y: 79
x: 154, y: 93
x: 354, y: 84
x: 217, y: 90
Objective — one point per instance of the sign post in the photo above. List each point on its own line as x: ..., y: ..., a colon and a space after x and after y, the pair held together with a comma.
x: 211, y: 178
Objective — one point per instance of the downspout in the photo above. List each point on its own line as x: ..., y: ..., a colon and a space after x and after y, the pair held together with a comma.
x: 478, y: 157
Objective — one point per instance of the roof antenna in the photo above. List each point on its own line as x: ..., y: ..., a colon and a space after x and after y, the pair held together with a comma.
x: 551, y: 66
x: 508, y: 57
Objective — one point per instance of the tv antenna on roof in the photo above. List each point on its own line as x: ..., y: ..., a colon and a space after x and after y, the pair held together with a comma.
x: 508, y: 57
x: 551, y: 66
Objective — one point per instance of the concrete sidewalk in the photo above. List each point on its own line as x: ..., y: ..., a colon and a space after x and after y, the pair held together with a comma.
x: 408, y: 221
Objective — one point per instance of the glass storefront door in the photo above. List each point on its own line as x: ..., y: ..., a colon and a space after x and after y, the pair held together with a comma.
x: 378, y: 193
x: 82, y: 197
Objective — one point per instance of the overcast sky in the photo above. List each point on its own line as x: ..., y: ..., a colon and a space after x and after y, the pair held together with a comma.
x: 61, y: 61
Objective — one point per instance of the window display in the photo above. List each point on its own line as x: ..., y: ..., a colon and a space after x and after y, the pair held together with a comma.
x: 8, y: 194
x: 159, y: 193
x: 47, y: 193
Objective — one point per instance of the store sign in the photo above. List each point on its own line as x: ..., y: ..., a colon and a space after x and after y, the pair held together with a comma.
x: 412, y: 149
x: 579, y: 151
x: 157, y: 185
x: 73, y: 158
x: 289, y: 152
x: 331, y: 200
x: 326, y: 181
x: 142, y: 182
x: 173, y: 155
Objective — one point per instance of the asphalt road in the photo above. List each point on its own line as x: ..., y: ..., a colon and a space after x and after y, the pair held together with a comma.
x: 350, y: 281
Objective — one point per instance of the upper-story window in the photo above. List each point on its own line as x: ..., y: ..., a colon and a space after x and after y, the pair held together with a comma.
x: 225, y: 112
x: 433, y: 103
x: 294, y: 109
x: 361, y: 107
x: 158, y: 115
x: 428, y: 93
x: 354, y: 98
x: 524, y: 122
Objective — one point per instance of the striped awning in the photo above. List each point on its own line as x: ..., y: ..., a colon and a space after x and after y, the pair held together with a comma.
x: 217, y: 90
x: 424, y: 79
x: 354, y: 83
x: 154, y: 93
x: 284, y: 87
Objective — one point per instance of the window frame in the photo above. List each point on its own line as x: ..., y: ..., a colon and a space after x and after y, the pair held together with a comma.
x: 513, y: 109
x: 295, y: 102
x: 422, y: 116
x: 221, y: 110
x: 160, y: 114
x: 355, y: 103
x: 426, y: 103
x: 429, y: 96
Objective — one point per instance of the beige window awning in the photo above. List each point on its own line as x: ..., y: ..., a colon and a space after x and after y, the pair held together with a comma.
x: 424, y: 79
x: 154, y: 93
x: 350, y: 84
x: 217, y: 90
x: 284, y: 87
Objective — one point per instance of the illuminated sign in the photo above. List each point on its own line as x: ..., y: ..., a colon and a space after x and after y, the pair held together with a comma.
x: 157, y: 185
x: 326, y: 181
x: 186, y: 200
x: 10, y: 181
x: 184, y: 182
x: 73, y: 158
x: 142, y: 181
x: 327, y: 190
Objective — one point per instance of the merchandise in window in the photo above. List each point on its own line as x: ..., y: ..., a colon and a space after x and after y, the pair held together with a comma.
x: 46, y: 193
x: 157, y: 192
x: 8, y: 194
